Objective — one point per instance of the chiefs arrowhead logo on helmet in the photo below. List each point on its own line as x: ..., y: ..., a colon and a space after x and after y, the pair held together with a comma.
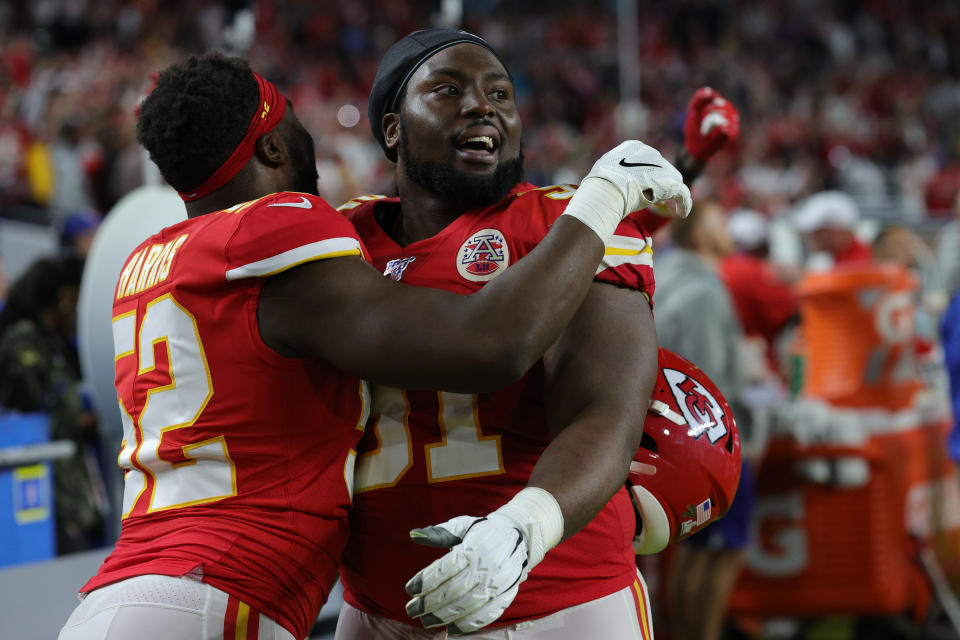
x: 687, y: 468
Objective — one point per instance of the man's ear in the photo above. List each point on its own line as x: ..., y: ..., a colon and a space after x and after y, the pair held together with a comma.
x: 391, y: 130
x: 270, y: 148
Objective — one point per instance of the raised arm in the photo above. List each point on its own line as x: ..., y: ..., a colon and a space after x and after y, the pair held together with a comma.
x: 343, y: 311
x: 415, y: 337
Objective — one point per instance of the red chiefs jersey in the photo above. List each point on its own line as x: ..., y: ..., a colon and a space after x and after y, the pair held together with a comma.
x: 237, y: 460
x: 429, y: 456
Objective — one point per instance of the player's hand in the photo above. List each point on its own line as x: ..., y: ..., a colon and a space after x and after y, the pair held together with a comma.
x: 628, y: 178
x: 472, y: 585
x: 643, y: 177
x: 712, y: 121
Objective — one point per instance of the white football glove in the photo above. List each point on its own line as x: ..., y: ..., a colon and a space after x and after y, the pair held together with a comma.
x: 489, y: 557
x: 643, y: 177
x: 473, y: 584
x: 629, y: 177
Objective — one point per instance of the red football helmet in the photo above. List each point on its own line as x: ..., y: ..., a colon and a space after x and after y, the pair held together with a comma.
x: 687, y: 468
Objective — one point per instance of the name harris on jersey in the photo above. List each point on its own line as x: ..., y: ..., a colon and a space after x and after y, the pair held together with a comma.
x: 148, y: 267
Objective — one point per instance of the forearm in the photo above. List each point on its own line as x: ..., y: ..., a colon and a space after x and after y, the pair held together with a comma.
x: 690, y: 168
x: 597, y: 390
x: 412, y: 338
x: 421, y: 338
x: 613, y: 188
x: 529, y: 318
x: 345, y: 312
x: 591, y: 443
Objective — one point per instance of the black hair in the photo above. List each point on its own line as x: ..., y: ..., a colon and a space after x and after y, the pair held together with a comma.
x: 196, y: 116
x: 37, y: 288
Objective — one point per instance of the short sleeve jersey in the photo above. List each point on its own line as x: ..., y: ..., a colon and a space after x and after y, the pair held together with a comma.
x: 237, y: 461
x: 429, y: 456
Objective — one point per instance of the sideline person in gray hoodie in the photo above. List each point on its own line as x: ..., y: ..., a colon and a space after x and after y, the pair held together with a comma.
x: 695, y: 317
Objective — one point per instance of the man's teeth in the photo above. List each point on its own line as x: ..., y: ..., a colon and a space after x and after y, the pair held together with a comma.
x: 486, y: 140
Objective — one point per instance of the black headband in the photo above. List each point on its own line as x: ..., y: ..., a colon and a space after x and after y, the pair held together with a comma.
x: 399, y: 63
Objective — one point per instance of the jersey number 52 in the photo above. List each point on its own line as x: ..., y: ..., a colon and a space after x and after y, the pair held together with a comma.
x: 176, y: 393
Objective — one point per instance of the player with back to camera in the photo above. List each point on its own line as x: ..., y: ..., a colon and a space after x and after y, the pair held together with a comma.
x: 547, y: 456
x: 241, y: 335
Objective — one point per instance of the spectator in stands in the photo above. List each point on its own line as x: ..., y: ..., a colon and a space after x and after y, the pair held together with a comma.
x: 40, y: 371
x: 72, y: 189
x: 948, y: 251
x: 77, y: 233
x: 897, y: 243
x: 900, y: 244
x: 764, y: 302
x: 695, y: 313
x: 942, y: 190
x: 14, y: 140
x: 828, y: 221
x: 695, y: 317
x: 877, y: 123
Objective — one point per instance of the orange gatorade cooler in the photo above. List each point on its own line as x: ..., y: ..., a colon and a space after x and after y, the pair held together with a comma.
x: 855, y: 477
x: 858, y: 327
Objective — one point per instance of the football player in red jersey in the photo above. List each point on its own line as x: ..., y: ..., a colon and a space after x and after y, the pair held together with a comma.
x: 546, y: 457
x: 240, y: 336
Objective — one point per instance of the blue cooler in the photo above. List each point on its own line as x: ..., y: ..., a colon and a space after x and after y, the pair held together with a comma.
x: 27, y: 516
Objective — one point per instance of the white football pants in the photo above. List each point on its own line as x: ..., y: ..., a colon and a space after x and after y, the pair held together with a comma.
x: 623, y: 615
x: 156, y: 607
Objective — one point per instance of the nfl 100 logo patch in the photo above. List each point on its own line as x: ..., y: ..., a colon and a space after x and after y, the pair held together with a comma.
x: 395, y: 268
x: 483, y: 256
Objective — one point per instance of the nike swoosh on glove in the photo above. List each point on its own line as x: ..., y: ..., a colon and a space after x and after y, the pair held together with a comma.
x: 712, y: 121
x: 472, y: 585
x: 643, y: 177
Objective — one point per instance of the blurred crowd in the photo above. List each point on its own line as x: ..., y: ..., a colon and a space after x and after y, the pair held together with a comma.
x: 861, y: 96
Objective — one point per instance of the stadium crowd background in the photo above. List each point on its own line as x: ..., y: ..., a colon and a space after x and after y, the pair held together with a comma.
x: 859, y: 95
x: 862, y: 97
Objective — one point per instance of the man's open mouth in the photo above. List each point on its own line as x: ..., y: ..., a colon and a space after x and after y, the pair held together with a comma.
x: 479, y: 143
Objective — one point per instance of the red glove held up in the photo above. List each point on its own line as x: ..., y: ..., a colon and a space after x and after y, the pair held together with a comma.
x: 712, y: 121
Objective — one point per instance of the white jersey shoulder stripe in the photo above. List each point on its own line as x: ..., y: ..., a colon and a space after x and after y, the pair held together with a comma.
x: 329, y: 248
x: 622, y: 250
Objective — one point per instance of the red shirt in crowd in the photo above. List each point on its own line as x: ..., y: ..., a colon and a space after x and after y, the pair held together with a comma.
x: 856, y: 251
x: 763, y: 302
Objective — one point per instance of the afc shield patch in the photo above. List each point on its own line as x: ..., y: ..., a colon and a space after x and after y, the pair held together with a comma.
x: 483, y: 256
x: 700, y: 408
